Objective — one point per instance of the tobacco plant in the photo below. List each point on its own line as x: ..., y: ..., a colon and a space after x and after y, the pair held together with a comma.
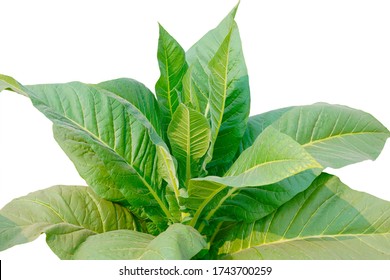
x: 187, y: 174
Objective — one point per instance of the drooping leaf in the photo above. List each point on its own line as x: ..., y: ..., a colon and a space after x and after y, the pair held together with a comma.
x: 327, y: 221
x: 335, y: 135
x: 173, y: 66
x: 189, y: 136
x: 67, y: 214
x: 273, y: 158
x: 110, y: 141
x: 178, y: 242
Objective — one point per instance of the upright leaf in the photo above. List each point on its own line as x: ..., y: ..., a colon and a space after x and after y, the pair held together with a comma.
x: 327, y: 221
x: 189, y: 136
x: 110, y: 141
x: 217, y: 59
x: 67, y: 214
x: 178, y: 242
x: 229, y: 99
x: 273, y: 157
x: 196, y: 89
x: 173, y: 66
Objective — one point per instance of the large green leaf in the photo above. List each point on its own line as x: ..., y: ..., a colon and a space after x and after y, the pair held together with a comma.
x: 189, y: 136
x: 217, y: 59
x: 205, y: 48
x: 137, y: 94
x: 229, y: 99
x: 110, y: 141
x: 327, y: 221
x: 256, y: 125
x: 178, y: 242
x: 273, y: 158
x: 173, y: 66
x: 334, y: 135
x: 67, y: 214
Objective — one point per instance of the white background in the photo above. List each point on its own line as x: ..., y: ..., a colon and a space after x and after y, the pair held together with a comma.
x: 297, y: 52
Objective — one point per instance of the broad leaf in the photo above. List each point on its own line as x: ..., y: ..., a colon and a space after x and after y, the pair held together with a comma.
x: 334, y: 135
x: 110, y: 141
x: 217, y: 202
x: 178, y: 242
x: 257, y: 124
x: 229, y: 99
x: 138, y: 95
x: 67, y: 214
x: 272, y: 158
x: 189, y: 136
x: 217, y: 58
x: 173, y: 66
x: 327, y: 221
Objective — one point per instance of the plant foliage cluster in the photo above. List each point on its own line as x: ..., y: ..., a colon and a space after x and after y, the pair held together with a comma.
x: 187, y: 174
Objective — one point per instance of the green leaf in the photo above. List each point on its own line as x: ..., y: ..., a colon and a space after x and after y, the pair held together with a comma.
x: 272, y: 158
x: 67, y: 214
x: 229, y: 99
x: 257, y: 124
x: 219, y: 202
x: 196, y: 89
x: 205, y: 49
x: 327, y: 221
x: 178, y: 242
x: 189, y: 136
x: 217, y: 59
x: 110, y: 141
x: 173, y: 66
x: 335, y: 135
x: 139, y: 96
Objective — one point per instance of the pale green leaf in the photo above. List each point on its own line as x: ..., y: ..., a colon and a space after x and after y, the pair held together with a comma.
x: 335, y: 135
x: 327, y: 221
x: 189, y: 136
x: 256, y: 125
x: 178, y: 242
x: 272, y: 158
x: 67, y: 214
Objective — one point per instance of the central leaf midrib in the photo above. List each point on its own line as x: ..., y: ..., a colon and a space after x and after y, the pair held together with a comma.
x: 313, y: 143
x: 305, y: 238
